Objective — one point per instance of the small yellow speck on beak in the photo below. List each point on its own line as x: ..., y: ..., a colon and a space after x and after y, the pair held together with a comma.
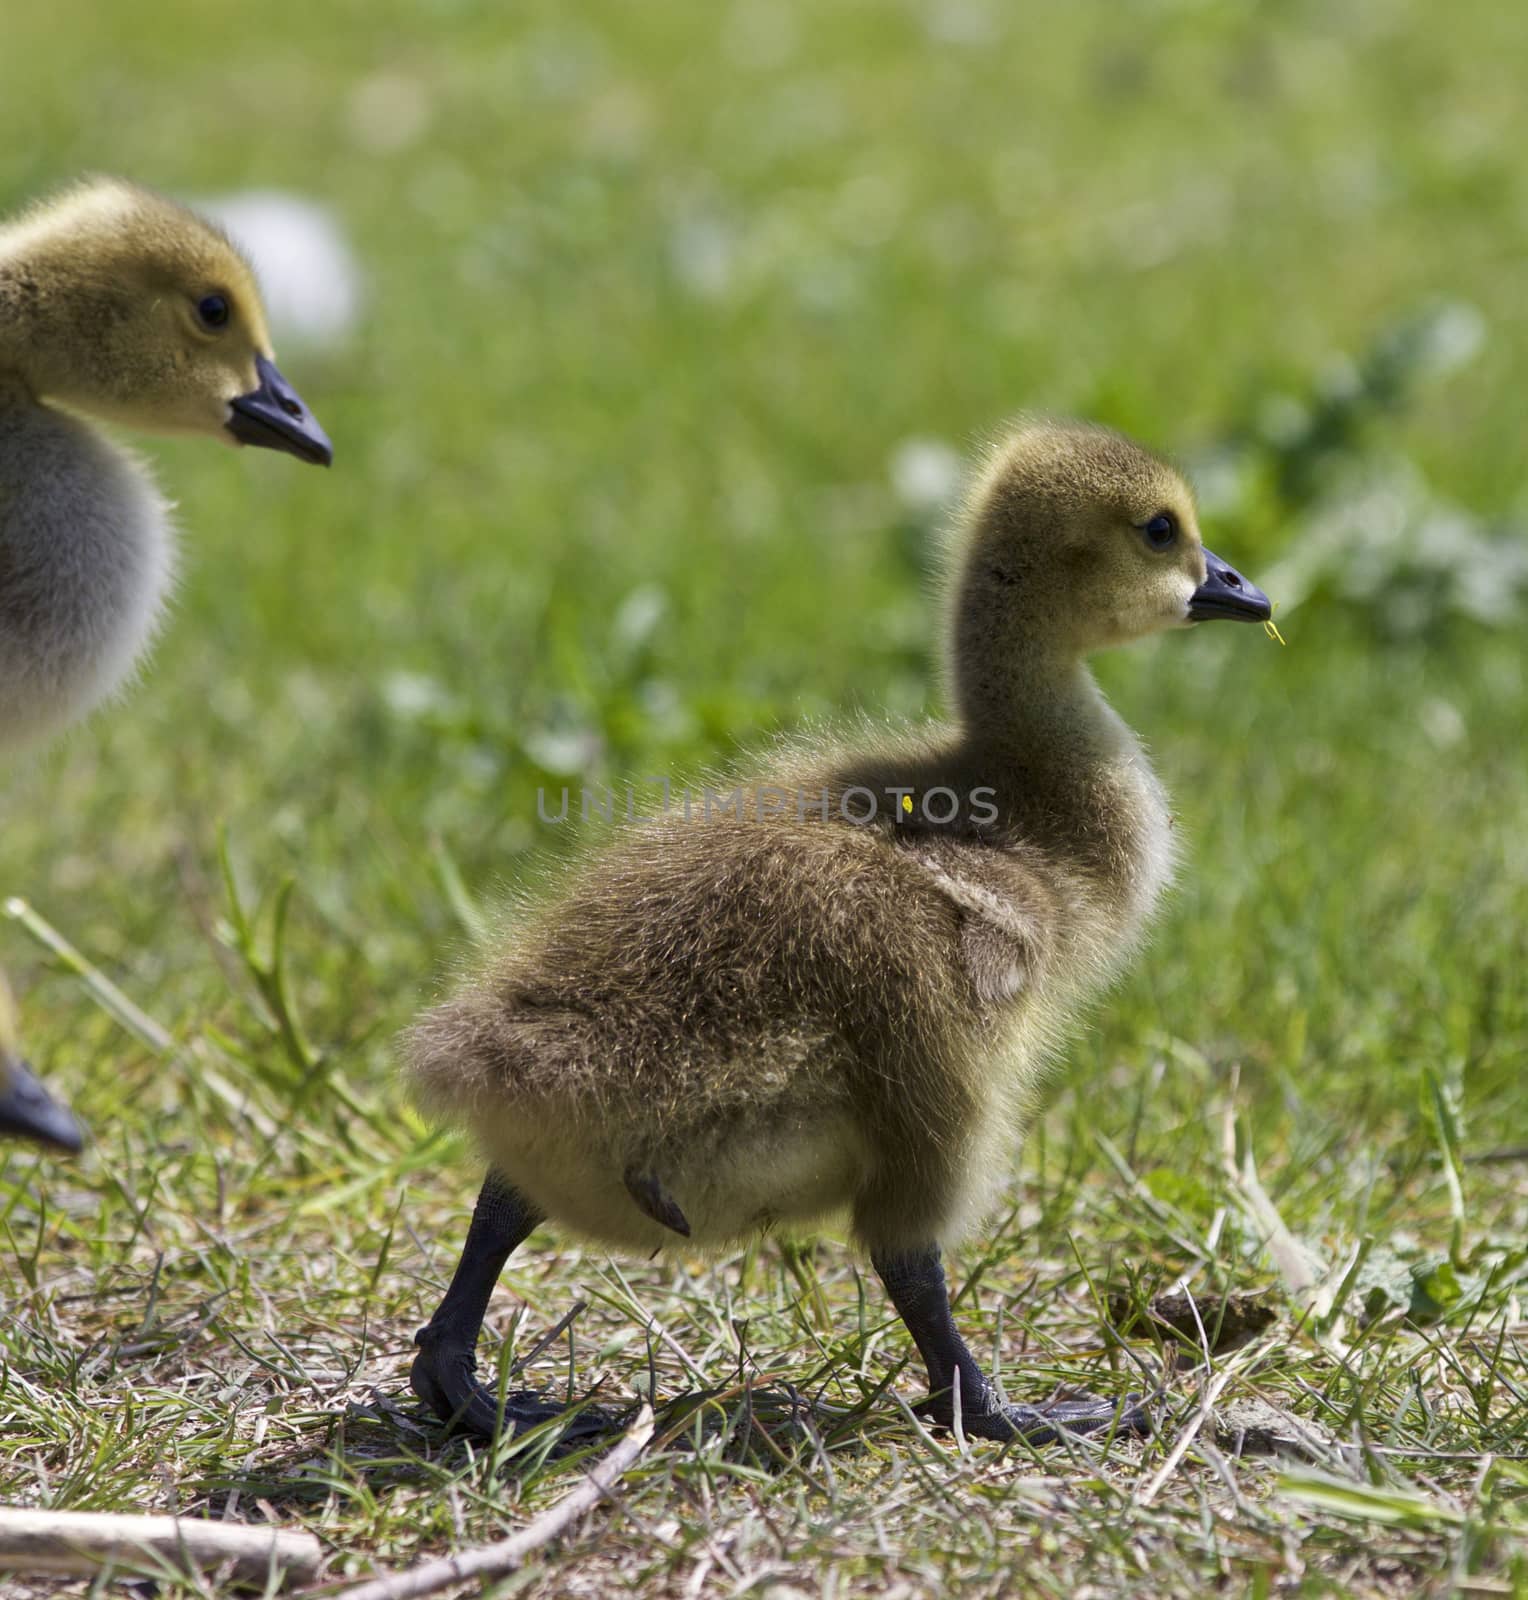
x: 1270, y: 627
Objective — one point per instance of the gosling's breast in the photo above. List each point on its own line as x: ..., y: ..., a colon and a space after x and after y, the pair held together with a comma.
x: 86, y: 561
x: 1123, y: 882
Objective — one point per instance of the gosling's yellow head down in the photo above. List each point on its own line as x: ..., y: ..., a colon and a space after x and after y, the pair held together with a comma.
x: 125, y: 305
x: 1084, y: 540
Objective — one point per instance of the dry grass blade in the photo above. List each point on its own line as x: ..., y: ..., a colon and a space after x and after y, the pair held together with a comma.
x: 1299, y: 1271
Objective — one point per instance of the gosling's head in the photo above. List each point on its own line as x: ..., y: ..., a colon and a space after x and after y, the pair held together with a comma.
x: 1079, y: 539
x: 125, y: 305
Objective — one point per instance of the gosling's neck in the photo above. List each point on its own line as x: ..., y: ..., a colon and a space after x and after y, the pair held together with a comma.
x: 19, y: 295
x: 1034, y: 726
x: 40, y: 314
x: 1023, y: 694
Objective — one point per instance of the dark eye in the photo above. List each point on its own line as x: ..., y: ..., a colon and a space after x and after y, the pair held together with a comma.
x: 1161, y: 530
x: 213, y: 310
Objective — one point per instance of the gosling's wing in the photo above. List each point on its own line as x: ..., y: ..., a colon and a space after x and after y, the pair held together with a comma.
x: 1003, y: 909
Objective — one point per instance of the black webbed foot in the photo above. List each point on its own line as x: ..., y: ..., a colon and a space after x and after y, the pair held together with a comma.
x: 915, y: 1281
x: 1046, y: 1423
x: 444, y: 1376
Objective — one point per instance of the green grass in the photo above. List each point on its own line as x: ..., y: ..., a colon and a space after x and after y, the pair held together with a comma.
x: 655, y: 295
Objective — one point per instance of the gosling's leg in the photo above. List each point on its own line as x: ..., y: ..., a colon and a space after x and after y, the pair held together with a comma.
x: 29, y: 1111
x: 915, y: 1281
x: 444, y: 1374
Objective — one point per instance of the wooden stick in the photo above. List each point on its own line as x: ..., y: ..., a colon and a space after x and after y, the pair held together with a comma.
x: 494, y: 1560
x: 79, y: 1542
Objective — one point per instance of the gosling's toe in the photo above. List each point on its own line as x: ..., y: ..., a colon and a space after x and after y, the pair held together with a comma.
x: 1050, y: 1421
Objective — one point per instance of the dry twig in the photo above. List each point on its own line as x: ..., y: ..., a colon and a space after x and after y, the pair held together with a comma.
x: 505, y: 1555
x: 81, y: 1542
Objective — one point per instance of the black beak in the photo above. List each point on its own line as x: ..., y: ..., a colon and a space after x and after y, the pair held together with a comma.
x: 1225, y: 593
x: 274, y: 417
x: 27, y: 1109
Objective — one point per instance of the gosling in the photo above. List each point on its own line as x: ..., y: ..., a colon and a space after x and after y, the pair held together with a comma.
x: 835, y: 988
x: 116, y: 304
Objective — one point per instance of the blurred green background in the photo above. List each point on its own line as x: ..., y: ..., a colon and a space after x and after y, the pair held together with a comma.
x: 675, y: 317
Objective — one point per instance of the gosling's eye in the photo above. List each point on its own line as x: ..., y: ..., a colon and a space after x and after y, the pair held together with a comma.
x: 213, y: 310
x: 1160, y: 532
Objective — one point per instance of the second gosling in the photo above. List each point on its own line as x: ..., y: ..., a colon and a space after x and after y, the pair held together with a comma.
x: 838, y: 993
x: 118, y: 304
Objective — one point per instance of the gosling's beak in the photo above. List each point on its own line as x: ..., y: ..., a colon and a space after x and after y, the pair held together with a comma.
x: 272, y: 415
x: 1225, y: 593
x: 27, y: 1109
